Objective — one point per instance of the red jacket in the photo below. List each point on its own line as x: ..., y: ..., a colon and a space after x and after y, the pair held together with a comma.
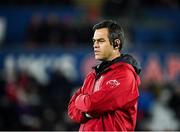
x: 111, y: 100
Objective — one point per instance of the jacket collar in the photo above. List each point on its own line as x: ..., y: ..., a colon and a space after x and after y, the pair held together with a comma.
x: 126, y: 58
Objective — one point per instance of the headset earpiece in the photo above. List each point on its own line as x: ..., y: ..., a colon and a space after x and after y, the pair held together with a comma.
x: 116, y: 43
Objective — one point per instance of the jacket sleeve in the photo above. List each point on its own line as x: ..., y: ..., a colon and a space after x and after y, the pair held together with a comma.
x: 110, y: 98
x: 74, y: 113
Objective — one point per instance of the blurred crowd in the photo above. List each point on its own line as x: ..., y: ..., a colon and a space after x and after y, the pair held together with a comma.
x: 66, y: 32
x: 54, y: 32
x: 27, y: 104
x: 158, y: 107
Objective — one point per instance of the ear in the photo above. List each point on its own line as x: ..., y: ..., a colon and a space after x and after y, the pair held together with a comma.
x: 116, y: 43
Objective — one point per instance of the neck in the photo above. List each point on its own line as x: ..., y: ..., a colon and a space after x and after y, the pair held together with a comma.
x: 114, y: 56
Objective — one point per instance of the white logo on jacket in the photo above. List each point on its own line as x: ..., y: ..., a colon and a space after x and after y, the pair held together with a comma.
x: 113, y: 83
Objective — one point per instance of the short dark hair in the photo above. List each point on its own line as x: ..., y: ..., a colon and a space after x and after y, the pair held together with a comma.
x: 114, y: 29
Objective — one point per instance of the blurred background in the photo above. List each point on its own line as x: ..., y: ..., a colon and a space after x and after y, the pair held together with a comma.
x: 46, y: 50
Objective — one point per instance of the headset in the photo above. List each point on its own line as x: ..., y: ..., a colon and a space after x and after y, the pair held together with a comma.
x: 116, y: 43
x: 115, y: 40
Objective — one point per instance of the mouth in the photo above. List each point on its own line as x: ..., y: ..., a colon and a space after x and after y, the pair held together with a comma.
x: 96, y: 51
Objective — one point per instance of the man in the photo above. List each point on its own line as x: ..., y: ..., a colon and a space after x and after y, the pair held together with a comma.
x: 107, y: 101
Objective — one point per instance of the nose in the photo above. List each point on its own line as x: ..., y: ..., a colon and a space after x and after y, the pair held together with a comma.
x: 95, y: 44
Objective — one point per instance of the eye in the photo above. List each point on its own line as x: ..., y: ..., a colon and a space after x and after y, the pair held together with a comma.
x: 101, y: 40
x: 98, y: 41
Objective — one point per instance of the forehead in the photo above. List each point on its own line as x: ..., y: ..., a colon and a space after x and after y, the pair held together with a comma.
x: 101, y: 33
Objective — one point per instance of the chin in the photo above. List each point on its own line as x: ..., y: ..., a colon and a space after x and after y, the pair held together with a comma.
x: 98, y: 58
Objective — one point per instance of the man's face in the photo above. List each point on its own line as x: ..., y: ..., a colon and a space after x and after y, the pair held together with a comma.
x: 103, y: 50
